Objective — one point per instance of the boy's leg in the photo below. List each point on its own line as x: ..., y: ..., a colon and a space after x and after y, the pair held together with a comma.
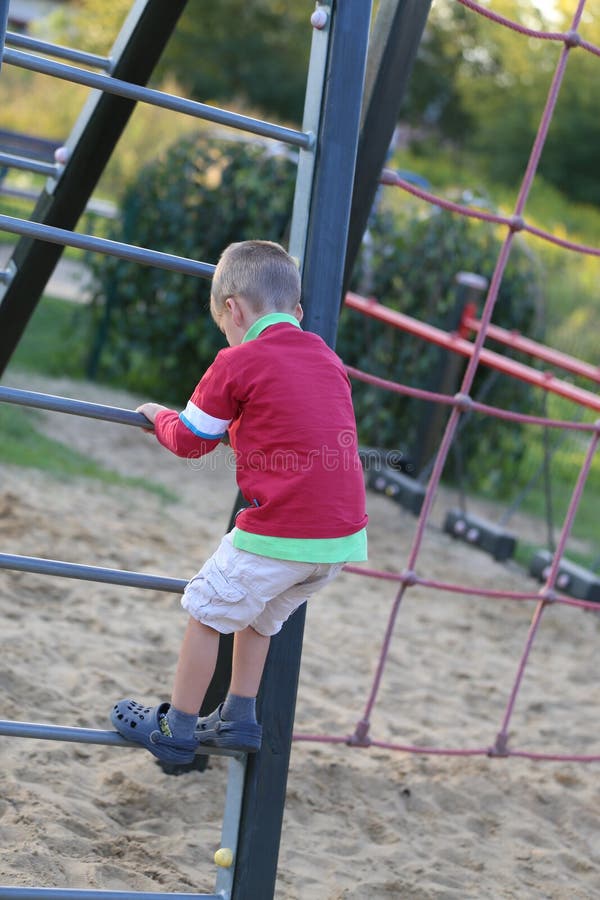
x: 195, y: 667
x: 249, y: 655
x: 233, y: 723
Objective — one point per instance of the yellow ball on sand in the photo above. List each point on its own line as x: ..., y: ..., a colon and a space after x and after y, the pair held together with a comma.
x: 224, y: 857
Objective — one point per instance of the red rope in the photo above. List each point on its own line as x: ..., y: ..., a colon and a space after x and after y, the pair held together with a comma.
x: 569, y: 38
x: 514, y: 223
x: 444, y: 751
x: 472, y: 591
x: 461, y: 403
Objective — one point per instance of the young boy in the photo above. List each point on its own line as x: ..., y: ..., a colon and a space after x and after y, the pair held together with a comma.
x: 284, y: 398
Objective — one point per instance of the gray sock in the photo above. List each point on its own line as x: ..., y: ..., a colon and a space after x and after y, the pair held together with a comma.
x: 181, y: 724
x: 239, y: 709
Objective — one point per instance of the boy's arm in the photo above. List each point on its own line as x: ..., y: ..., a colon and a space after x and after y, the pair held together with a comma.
x: 194, y: 432
x: 178, y: 433
x: 150, y: 410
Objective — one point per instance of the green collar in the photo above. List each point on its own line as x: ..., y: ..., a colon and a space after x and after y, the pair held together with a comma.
x: 271, y: 319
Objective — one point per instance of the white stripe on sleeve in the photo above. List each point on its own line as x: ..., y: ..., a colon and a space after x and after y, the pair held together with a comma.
x: 201, y: 424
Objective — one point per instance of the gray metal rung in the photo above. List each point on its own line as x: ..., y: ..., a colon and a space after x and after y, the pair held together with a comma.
x: 55, y: 403
x: 74, y: 735
x: 24, y: 42
x: 29, y: 893
x: 37, y: 565
x: 26, y: 164
x: 67, y: 238
x: 158, y: 98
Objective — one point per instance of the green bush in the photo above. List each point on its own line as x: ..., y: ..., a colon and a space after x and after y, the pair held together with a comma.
x: 152, y: 328
x: 412, y: 265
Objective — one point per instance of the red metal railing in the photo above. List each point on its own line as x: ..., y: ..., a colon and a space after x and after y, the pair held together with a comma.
x: 539, y: 351
x: 545, y: 380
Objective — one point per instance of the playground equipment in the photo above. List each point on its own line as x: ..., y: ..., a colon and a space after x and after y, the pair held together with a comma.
x: 327, y: 147
x: 410, y: 492
x: 462, y: 402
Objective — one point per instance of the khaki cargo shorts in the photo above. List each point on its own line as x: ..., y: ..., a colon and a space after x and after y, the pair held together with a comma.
x: 234, y: 589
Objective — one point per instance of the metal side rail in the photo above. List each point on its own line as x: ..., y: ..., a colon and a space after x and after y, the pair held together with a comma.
x: 37, y: 565
x: 28, y: 893
x: 54, y: 403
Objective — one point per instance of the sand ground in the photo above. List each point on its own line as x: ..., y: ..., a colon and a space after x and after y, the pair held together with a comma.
x: 359, y: 823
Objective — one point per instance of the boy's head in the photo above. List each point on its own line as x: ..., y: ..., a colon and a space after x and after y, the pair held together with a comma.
x: 259, y: 271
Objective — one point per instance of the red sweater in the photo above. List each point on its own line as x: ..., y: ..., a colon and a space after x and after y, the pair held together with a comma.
x: 284, y: 397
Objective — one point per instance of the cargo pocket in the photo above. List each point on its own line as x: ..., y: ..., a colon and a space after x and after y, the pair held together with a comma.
x: 209, y: 596
x: 223, y: 588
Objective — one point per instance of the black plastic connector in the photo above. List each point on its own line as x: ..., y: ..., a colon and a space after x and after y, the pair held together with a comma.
x: 485, y: 535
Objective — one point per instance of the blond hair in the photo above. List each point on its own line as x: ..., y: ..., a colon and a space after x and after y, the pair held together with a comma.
x: 260, y: 271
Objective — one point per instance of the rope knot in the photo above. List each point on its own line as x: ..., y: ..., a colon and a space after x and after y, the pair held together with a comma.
x: 463, y: 402
x: 548, y: 595
x: 516, y: 223
x: 360, y: 738
x: 572, y: 39
x: 408, y: 577
x: 500, y: 748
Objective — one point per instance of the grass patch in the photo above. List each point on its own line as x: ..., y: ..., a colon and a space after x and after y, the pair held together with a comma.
x: 24, y: 445
x: 524, y: 553
x: 54, y: 344
x: 565, y: 464
x: 55, y: 340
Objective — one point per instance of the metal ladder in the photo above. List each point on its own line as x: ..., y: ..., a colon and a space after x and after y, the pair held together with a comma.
x: 327, y: 147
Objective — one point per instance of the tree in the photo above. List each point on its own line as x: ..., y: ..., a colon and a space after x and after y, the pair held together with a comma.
x: 484, y: 87
x: 570, y: 157
x: 234, y: 50
x: 433, y: 97
x: 90, y: 25
x: 229, y: 51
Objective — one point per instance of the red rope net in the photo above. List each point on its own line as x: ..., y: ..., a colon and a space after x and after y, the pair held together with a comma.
x: 548, y: 595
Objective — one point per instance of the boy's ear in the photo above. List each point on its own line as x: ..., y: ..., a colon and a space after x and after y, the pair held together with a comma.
x: 235, y: 308
x: 299, y: 312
